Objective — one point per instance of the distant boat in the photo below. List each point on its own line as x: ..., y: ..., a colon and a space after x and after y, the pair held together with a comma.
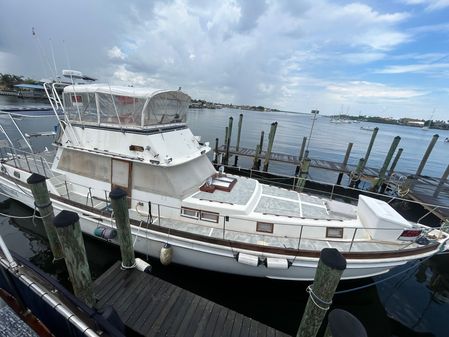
x: 366, y: 128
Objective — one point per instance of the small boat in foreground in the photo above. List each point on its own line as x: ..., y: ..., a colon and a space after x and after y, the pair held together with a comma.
x: 137, y: 139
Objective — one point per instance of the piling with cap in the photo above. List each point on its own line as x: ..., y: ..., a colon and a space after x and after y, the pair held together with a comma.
x: 120, y: 206
x: 270, y: 145
x: 343, y: 324
x: 228, y: 142
x: 426, y: 155
x: 328, y: 273
x: 216, y: 154
x: 43, y: 203
x: 69, y: 233
x: 237, y: 146
x: 301, y: 154
x: 225, y: 144
x: 383, y: 170
x: 345, y: 162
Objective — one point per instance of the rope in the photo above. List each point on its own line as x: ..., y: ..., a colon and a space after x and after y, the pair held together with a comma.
x: 314, y: 297
x: 384, y: 279
x: 34, y: 216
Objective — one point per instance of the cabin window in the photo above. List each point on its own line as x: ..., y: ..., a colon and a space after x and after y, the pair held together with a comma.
x: 81, y: 107
x: 265, y: 227
x: 334, y: 232
x: 209, y: 216
x: 190, y: 213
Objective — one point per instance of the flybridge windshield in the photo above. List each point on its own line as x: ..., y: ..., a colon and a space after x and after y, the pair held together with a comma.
x: 86, y: 104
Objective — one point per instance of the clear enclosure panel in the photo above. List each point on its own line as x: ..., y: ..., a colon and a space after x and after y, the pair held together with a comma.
x: 123, y: 110
x: 80, y: 107
x: 165, y: 108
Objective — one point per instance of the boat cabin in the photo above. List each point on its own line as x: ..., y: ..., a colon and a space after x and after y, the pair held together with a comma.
x: 101, y: 104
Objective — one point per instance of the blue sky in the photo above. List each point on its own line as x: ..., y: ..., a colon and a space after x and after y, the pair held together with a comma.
x: 388, y: 58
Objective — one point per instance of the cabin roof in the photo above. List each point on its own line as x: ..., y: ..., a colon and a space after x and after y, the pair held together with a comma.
x: 123, y: 91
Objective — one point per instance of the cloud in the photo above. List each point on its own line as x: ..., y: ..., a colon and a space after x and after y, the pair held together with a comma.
x: 430, y: 5
x: 354, y: 90
x: 414, y: 68
x: 116, y: 53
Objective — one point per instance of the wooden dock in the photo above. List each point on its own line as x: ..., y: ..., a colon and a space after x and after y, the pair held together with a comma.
x: 153, y: 307
x: 294, y: 160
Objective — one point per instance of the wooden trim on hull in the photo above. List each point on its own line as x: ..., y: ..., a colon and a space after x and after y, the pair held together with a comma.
x: 243, y: 245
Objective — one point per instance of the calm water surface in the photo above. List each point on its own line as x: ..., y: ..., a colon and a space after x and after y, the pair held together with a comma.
x: 414, y: 303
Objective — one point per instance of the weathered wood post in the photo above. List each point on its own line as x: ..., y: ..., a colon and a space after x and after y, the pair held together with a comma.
x: 304, y: 172
x: 120, y: 207
x: 426, y: 155
x: 442, y: 182
x: 69, y: 233
x: 237, y: 146
x: 343, y: 324
x: 228, y: 142
x: 345, y: 162
x: 370, y: 146
x: 395, y: 161
x: 383, y: 170
x: 301, y: 154
x: 270, y: 145
x: 355, y: 176
x: 224, y: 161
x: 256, y: 162
x: 43, y: 203
x: 328, y: 273
x: 216, y: 154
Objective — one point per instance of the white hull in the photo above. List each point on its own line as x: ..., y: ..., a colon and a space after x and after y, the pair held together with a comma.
x: 208, y: 256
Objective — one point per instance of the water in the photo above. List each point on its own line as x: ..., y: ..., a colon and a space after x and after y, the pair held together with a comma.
x: 414, y: 303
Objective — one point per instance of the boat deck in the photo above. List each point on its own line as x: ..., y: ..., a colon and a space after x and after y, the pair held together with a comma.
x: 153, y: 307
x: 12, y: 325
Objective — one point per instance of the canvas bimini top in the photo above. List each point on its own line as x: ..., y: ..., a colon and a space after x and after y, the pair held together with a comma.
x: 102, y: 104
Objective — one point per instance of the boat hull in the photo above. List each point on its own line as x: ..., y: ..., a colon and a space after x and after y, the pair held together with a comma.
x: 211, y: 256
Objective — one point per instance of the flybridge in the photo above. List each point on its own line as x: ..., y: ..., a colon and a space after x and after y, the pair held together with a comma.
x: 101, y: 104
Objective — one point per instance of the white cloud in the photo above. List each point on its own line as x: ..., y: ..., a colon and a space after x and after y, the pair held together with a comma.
x: 116, y: 53
x: 430, y: 5
x: 414, y: 68
x: 361, y: 89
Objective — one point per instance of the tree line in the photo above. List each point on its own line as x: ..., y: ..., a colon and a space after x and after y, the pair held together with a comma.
x: 8, y: 81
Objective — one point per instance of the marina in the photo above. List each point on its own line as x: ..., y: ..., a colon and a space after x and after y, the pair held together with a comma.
x: 83, y: 200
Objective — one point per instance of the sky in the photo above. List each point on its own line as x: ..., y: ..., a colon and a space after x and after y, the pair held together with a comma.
x: 383, y: 58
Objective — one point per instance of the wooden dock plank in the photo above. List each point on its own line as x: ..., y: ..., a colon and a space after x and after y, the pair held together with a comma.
x: 153, y: 307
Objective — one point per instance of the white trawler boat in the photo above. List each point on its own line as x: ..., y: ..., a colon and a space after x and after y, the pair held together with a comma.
x: 137, y: 139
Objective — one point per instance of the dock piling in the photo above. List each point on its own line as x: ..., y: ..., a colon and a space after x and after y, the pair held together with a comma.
x: 343, y: 324
x: 216, y: 154
x: 237, y: 146
x: 69, y: 233
x: 328, y: 273
x: 43, y: 203
x: 270, y: 145
x: 301, y: 154
x: 226, y: 145
x: 370, y: 146
x: 355, y: 176
x: 426, y: 155
x: 120, y: 206
x: 395, y: 161
x: 228, y: 142
x: 383, y: 170
x: 303, y: 173
x: 442, y: 182
x: 345, y: 162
